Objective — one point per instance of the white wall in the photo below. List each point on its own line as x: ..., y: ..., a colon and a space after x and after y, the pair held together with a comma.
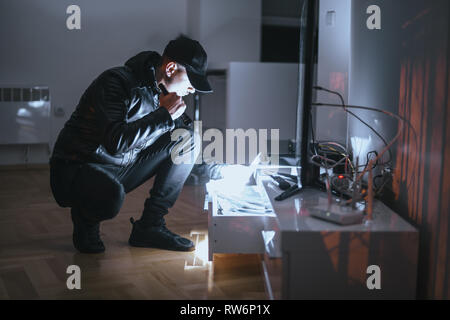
x: 37, y: 47
x: 375, y: 71
x: 262, y: 96
x: 404, y: 68
x: 229, y: 30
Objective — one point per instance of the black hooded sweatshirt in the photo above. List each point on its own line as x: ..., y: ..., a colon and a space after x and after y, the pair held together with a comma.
x: 117, y: 116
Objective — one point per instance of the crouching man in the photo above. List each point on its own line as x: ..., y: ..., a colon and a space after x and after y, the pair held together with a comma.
x: 119, y: 136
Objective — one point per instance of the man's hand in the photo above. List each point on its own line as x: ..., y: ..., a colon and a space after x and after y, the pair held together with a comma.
x: 173, y: 103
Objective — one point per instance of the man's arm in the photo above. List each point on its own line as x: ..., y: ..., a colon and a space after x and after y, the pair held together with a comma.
x: 118, y: 135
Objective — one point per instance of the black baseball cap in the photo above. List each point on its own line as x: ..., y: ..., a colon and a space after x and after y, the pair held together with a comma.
x: 191, y: 55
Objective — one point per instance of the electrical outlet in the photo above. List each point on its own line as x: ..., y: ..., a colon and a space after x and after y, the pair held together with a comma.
x: 59, y: 112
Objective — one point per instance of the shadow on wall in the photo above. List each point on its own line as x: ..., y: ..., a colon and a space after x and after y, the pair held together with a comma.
x: 422, y: 180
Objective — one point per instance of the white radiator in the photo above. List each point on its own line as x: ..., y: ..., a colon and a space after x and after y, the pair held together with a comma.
x: 24, y: 115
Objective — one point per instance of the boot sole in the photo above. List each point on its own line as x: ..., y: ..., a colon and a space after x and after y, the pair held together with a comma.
x: 84, y: 250
x: 89, y: 251
x: 151, y: 246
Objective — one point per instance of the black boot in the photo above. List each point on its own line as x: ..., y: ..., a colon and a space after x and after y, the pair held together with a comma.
x: 86, y: 234
x: 157, y: 236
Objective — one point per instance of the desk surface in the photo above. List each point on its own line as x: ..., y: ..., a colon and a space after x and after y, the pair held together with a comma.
x: 293, y: 214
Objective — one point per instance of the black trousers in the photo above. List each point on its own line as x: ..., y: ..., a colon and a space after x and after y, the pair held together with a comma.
x: 97, y: 190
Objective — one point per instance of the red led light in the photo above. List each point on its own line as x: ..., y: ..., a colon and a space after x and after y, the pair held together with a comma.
x: 341, y: 177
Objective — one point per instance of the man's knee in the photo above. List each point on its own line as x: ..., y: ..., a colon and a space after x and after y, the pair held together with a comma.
x: 61, y: 177
x: 112, y: 199
x: 99, y: 192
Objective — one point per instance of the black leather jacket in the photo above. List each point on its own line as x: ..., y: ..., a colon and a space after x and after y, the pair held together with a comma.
x: 117, y: 116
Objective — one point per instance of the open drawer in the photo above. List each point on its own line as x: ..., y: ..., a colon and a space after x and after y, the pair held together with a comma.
x: 233, y: 231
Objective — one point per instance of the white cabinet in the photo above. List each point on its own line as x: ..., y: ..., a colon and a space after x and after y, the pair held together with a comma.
x: 233, y: 232
x: 308, y: 258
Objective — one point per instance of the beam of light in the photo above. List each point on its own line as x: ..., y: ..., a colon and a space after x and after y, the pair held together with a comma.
x: 268, y: 236
x: 200, y: 259
x: 235, y: 177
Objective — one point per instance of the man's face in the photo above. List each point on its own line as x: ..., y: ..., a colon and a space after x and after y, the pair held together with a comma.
x: 177, y: 80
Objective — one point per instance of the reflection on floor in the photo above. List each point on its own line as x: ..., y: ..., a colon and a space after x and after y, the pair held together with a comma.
x: 36, y: 249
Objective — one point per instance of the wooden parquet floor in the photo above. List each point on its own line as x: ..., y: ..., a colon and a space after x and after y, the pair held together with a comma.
x: 36, y: 249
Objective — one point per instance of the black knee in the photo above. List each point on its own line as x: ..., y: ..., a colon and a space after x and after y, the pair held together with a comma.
x: 98, y: 192
x: 112, y: 199
x: 62, y: 175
